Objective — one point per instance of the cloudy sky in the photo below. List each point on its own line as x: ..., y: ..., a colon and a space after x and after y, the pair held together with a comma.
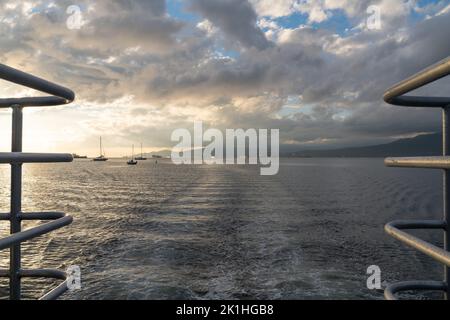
x: 316, y: 70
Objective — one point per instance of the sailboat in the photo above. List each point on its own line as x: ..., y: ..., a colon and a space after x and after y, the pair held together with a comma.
x: 132, y: 162
x: 102, y: 156
x: 142, y: 155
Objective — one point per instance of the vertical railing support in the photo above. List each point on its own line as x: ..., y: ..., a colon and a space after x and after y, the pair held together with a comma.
x: 446, y: 191
x: 16, y: 203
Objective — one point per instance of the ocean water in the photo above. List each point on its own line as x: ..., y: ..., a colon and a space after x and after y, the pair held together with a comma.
x: 160, y: 231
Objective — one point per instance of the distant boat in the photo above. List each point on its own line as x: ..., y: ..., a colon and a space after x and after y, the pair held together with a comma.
x: 102, y: 155
x: 76, y: 156
x: 142, y: 155
x: 132, y: 162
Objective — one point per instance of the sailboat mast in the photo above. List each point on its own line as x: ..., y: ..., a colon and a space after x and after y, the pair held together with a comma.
x: 142, y: 154
x: 132, y: 153
x: 101, y: 149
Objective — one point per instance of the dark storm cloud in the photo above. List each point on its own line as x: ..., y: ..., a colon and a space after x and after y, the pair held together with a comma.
x: 127, y: 23
x: 236, y: 18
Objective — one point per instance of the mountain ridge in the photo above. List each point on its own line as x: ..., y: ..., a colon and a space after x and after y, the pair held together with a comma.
x: 421, y: 145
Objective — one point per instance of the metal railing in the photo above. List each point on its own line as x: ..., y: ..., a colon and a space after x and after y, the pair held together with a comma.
x: 59, y: 96
x: 396, y: 96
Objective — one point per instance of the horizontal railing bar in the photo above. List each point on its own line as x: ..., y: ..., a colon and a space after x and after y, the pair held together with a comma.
x: 55, y: 293
x: 34, y: 216
x: 43, y: 273
x: 393, y: 229
x: 419, y: 224
x: 38, y: 273
x: 41, y: 216
x: 392, y: 289
x: 34, y: 232
x: 419, y: 162
x: 30, y: 81
x: 437, y: 71
x: 412, y: 101
x: 20, y: 157
x: 32, y: 102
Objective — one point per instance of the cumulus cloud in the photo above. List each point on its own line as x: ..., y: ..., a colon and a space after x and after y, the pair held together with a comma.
x: 274, y: 9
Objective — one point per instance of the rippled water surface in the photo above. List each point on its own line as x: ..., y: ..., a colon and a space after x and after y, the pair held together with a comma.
x: 160, y: 231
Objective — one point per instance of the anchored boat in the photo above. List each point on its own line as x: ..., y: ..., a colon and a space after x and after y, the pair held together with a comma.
x: 142, y: 155
x: 132, y: 162
x: 102, y: 155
